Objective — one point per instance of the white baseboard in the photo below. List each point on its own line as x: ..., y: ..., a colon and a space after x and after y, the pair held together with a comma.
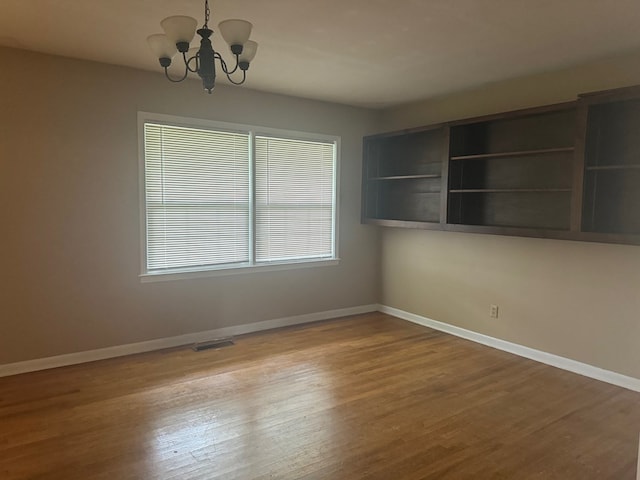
x: 574, y: 366
x: 189, y: 338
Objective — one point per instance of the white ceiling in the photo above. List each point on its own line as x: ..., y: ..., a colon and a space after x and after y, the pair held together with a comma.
x: 373, y: 53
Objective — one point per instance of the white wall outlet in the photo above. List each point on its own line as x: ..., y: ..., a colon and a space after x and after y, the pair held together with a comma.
x: 493, y: 311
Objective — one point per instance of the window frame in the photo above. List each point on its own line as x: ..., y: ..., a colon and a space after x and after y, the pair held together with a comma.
x: 251, y: 265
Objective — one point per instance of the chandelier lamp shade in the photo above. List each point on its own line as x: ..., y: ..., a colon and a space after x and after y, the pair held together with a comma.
x: 178, y: 34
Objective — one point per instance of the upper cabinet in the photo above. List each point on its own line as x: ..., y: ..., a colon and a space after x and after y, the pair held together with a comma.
x: 568, y: 171
x: 513, y: 171
x: 612, y: 166
x: 403, y: 177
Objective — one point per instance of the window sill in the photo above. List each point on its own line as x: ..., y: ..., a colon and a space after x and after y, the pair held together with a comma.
x: 235, y: 270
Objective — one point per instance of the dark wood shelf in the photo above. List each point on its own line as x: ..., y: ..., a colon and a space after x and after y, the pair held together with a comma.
x: 510, y: 190
x: 614, y: 167
x: 521, y: 153
x: 567, y: 171
x: 513, y: 171
x: 387, y: 222
x: 611, y: 197
x: 506, y: 227
x: 405, y: 177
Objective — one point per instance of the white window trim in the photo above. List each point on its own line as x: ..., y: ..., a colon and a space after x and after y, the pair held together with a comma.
x: 209, y: 271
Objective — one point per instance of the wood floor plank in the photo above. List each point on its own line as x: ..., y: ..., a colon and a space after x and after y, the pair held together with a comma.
x: 369, y: 397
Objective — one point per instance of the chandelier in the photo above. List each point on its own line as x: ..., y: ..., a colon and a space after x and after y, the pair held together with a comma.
x: 179, y: 32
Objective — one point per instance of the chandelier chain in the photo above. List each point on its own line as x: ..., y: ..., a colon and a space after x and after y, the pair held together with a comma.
x: 207, y: 13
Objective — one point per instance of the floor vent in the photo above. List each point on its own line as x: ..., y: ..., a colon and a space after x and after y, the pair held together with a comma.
x: 219, y: 343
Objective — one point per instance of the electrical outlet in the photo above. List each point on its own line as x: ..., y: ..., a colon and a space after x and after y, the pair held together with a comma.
x: 493, y: 311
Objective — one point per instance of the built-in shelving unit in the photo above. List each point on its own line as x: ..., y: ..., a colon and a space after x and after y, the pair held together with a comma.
x: 513, y: 171
x: 569, y: 171
x: 402, y: 179
x: 612, y: 168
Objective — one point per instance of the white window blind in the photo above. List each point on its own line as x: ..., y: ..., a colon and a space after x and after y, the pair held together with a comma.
x: 294, y: 199
x: 220, y: 196
x: 197, y: 197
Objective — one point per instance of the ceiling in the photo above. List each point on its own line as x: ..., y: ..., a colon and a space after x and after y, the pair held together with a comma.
x: 372, y: 53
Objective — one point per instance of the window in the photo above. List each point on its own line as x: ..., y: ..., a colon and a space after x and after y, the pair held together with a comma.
x: 221, y: 197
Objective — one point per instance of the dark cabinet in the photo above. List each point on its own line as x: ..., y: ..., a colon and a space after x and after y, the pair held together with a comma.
x: 513, y: 171
x: 612, y: 168
x: 403, y: 177
x: 569, y: 171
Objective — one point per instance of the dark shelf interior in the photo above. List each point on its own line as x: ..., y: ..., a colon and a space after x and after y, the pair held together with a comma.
x: 411, y: 200
x: 547, y: 211
x: 545, y: 171
x: 611, y: 202
x: 418, y: 153
x: 613, y: 134
x: 513, y: 172
x: 549, y: 130
x: 404, y: 176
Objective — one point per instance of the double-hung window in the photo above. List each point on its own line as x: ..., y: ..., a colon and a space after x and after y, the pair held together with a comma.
x: 227, y: 197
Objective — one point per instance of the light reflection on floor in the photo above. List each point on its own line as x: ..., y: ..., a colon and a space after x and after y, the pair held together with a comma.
x: 240, y: 415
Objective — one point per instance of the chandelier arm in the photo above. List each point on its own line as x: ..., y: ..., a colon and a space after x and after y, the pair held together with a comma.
x: 223, y: 64
x: 244, y: 77
x: 175, y: 80
x: 187, y: 62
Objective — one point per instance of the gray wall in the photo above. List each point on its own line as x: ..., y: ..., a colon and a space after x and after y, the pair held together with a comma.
x: 70, y: 251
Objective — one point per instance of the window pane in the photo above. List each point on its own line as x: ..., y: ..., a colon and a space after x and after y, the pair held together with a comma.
x: 197, y: 197
x: 294, y: 199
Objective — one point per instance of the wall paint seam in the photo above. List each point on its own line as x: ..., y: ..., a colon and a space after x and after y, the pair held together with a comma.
x: 168, y: 342
x: 563, y: 363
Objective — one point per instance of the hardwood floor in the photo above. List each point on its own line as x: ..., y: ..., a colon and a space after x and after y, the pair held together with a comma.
x: 368, y: 397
